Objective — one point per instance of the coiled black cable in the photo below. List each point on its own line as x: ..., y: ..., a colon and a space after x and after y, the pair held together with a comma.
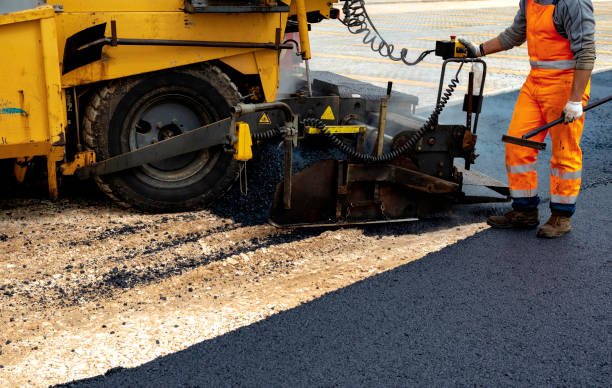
x: 410, y: 143
x: 313, y: 122
x: 266, y: 135
x: 358, y: 21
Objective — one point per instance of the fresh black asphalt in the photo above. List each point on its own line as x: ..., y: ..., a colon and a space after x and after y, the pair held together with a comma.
x: 501, y: 308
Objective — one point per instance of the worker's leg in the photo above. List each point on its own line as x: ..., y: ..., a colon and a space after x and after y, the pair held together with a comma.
x: 521, y: 161
x: 566, y: 162
x: 521, y: 165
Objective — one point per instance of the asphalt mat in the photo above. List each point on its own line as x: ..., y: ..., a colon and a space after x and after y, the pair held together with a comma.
x: 499, y: 308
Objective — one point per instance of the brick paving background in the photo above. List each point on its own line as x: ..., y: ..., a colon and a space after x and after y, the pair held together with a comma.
x: 336, y: 50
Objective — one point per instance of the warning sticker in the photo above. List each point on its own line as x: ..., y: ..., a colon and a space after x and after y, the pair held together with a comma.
x: 328, y: 114
x: 265, y: 119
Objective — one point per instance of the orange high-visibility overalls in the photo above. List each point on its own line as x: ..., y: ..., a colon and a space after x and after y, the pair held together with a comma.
x: 541, y: 100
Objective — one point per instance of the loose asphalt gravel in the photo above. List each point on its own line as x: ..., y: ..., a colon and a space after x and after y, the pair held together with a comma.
x: 499, y: 308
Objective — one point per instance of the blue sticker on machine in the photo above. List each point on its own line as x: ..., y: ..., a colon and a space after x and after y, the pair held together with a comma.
x: 13, y: 111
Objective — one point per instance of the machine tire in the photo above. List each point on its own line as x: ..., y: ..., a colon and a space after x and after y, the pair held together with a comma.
x: 199, y: 93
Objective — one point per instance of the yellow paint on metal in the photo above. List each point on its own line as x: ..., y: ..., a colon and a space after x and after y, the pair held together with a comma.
x: 124, y: 61
x: 243, y: 146
x: 27, y: 15
x: 267, y: 67
x: 344, y: 129
x: 165, y: 19
x: 264, y: 119
x: 328, y: 114
x: 56, y: 155
x: 460, y: 50
x: 32, y: 109
x: 300, y: 8
x: 81, y: 159
x: 244, y: 63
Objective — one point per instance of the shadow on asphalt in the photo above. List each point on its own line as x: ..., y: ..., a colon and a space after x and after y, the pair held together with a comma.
x: 486, y: 311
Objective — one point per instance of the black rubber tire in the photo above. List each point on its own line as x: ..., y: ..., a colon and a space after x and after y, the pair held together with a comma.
x: 107, y: 130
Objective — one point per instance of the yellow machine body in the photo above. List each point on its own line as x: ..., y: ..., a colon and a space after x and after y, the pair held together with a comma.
x: 33, y: 115
x: 32, y: 107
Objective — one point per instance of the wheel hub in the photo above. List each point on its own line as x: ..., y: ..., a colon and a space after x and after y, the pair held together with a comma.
x: 164, y: 117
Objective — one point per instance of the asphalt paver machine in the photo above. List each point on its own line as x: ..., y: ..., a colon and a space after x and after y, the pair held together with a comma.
x: 161, y: 101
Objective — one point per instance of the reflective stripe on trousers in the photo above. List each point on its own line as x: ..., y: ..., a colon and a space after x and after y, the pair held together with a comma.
x: 569, y: 200
x: 557, y: 172
x: 522, y: 168
x: 524, y: 193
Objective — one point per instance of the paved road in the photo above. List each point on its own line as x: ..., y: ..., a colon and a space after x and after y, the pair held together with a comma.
x: 500, y: 308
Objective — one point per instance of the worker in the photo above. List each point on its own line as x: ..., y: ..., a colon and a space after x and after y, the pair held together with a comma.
x: 561, y: 47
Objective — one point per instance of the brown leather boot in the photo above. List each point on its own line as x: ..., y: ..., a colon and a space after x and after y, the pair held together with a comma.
x: 556, y: 226
x: 519, y: 219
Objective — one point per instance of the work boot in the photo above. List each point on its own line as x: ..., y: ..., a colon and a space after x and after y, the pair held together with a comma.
x: 521, y: 219
x: 556, y: 226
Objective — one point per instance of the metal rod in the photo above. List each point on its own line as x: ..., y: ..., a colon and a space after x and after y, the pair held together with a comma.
x: 308, y: 78
x: 243, y: 109
x: 382, y: 121
x: 560, y: 119
x: 77, y: 119
x: 288, y: 172
x: 524, y: 142
x: 468, y: 120
x: 186, y: 43
x: 470, y: 101
x: 114, y: 38
x: 481, y: 94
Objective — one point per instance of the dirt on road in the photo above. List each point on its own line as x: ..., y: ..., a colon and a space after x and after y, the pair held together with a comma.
x: 86, y: 286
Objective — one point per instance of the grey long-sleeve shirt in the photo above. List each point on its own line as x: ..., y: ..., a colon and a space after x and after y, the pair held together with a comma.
x: 573, y: 20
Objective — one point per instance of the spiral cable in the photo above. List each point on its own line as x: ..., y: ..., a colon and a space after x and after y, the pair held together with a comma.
x: 267, y: 135
x: 358, y: 21
x: 410, y: 143
x: 313, y: 122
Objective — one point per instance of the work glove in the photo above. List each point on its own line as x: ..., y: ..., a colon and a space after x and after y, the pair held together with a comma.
x: 572, y: 111
x: 472, y: 50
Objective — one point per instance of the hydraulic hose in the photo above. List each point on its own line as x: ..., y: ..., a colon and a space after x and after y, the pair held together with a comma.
x: 410, y: 143
x: 358, y: 21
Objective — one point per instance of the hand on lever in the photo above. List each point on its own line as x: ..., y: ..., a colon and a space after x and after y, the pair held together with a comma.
x: 572, y: 111
x: 472, y: 50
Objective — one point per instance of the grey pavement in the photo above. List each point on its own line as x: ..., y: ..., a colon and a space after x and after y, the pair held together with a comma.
x: 501, y: 308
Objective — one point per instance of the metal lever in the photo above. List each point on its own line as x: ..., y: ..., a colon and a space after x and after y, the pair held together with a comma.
x: 524, y: 140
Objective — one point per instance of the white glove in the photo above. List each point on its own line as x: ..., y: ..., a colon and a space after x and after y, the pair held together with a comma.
x: 472, y: 50
x: 572, y: 111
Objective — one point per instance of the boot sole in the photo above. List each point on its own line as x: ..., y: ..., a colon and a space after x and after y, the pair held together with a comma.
x: 551, y: 236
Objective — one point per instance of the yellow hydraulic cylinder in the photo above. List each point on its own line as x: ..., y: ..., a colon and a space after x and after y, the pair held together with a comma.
x: 303, y: 29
